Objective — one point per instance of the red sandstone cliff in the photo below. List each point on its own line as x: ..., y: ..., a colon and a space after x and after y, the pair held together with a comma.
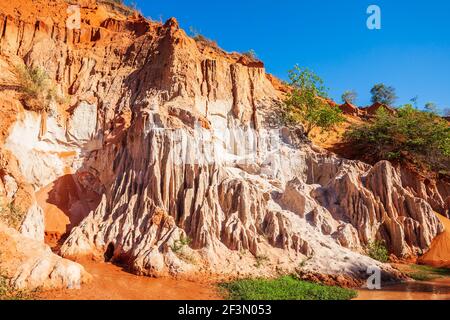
x: 163, y: 139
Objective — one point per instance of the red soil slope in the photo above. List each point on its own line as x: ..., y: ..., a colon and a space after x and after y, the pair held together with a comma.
x: 439, y: 253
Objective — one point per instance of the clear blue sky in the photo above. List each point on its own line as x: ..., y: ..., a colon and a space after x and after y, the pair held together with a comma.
x: 411, y: 52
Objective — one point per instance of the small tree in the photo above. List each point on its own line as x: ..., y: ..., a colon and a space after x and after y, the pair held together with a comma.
x: 383, y: 94
x: 307, y: 102
x: 250, y: 54
x: 349, y: 96
x: 431, y: 107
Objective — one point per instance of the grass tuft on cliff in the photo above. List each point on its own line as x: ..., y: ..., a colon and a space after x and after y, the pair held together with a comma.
x: 37, y: 89
x: 283, y: 288
x: 8, y: 293
x: 377, y: 250
x: 11, y: 215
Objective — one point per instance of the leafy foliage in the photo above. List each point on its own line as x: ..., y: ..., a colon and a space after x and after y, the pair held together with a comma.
x: 11, y: 215
x: 377, y: 250
x: 408, y: 134
x: 383, y: 94
x: 284, y: 288
x: 431, y: 107
x: 7, y: 292
x: 349, y: 96
x: 179, y: 244
x: 307, y: 103
x: 425, y: 273
x: 38, y: 91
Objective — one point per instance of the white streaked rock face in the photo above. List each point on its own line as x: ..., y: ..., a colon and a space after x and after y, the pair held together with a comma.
x: 297, y: 205
x: 34, y: 265
x: 33, y: 225
x: 41, y: 145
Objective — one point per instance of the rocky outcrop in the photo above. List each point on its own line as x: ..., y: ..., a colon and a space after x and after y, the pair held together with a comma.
x: 183, y: 144
x: 379, y: 206
x: 33, y: 225
x: 172, y: 188
x: 350, y: 109
x: 30, y: 264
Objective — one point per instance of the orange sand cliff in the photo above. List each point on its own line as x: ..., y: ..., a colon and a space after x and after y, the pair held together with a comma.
x: 439, y: 253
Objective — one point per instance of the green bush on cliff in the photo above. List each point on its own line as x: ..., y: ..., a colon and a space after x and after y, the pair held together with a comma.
x: 307, y: 102
x: 377, y: 250
x: 11, y: 215
x: 9, y: 293
x: 426, y: 273
x: 38, y: 91
x: 284, y: 288
x: 421, y: 137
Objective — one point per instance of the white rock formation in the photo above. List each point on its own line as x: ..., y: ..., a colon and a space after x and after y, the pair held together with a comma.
x: 176, y: 135
x: 30, y: 264
x: 174, y: 184
x: 33, y: 225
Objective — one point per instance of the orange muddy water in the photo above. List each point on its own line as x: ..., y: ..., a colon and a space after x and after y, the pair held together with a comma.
x: 438, y: 289
x: 111, y: 282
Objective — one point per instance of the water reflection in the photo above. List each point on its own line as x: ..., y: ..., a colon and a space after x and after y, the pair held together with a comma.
x: 414, y: 290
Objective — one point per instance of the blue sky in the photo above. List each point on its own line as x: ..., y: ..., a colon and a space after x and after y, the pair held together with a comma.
x: 411, y: 51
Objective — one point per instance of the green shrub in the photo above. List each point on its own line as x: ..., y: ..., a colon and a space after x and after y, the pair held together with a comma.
x: 11, y: 215
x: 377, y: 250
x: 421, y: 276
x: 38, y: 90
x: 120, y: 6
x: 383, y: 94
x: 283, y: 288
x: 307, y: 103
x: 426, y: 273
x: 180, y: 243
x: 408, y: 134
x: 9, y: 293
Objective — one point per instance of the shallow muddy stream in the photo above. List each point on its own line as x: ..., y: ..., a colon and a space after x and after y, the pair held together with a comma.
x: 438, y: 289
x: 111, y: 282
